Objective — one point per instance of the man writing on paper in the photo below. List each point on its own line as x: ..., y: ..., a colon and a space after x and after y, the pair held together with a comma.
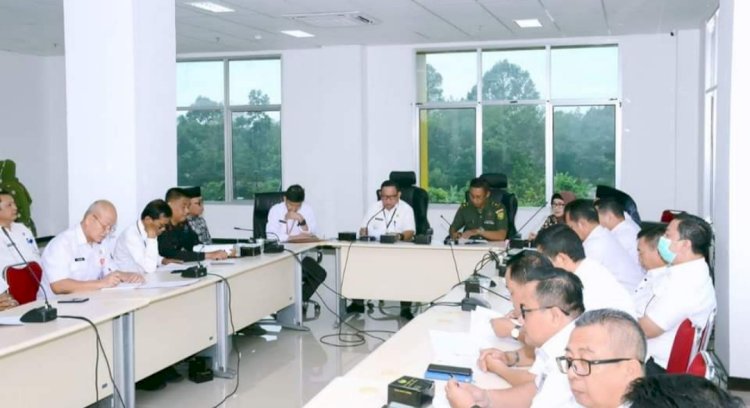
x: 292, y: 219
x: 481, y: 216
x: 80, y: 258
x: 137, y: 248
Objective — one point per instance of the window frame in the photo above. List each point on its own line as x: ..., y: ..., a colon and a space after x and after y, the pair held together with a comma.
x: 548, y: 103
x: 228, y: 112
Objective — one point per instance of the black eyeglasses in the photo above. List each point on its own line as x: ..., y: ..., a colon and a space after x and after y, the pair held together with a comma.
x: 582, y: 367
x: 524, y: 310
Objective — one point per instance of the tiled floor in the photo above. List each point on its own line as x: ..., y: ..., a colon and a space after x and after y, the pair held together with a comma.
x: 285, y: 371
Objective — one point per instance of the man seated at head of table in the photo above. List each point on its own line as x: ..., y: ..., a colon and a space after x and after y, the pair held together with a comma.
x: 15, y: 238
x: 137, y: 247
x: 80, y: 258
x: 480, y: 216
x: 550, y: 302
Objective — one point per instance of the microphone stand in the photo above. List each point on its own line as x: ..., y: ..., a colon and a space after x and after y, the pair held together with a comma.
x: 368, y: 237
x: 39, y: 314
x: 474, y: 274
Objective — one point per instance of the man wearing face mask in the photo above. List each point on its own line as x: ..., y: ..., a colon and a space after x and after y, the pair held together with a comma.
x: 685, y: 292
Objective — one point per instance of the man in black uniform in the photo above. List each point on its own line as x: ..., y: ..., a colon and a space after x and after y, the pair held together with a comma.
x: 481, y: 216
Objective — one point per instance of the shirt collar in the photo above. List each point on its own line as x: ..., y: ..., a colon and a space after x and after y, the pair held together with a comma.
x: 80, y: 236
x: 555, y: 345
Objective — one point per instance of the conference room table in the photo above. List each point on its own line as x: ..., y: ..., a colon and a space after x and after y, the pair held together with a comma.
x: 412, y: 349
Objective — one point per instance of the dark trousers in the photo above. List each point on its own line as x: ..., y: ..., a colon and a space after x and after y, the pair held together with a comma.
x: 653, y: 369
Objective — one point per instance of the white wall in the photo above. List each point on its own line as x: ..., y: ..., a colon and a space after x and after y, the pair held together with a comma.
x: 32, y: 113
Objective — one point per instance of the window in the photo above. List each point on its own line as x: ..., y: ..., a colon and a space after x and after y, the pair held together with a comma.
x: 231, y: 150
x: 546, y: 117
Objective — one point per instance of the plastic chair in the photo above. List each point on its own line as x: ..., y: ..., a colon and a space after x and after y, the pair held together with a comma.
x: 682, y: 348
x: 702, y: 366
x: 21, y: 284
x: 668, y: 215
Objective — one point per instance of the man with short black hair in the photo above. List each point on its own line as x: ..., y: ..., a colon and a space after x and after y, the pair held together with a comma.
x: 655, y: 267
x: 195, y: 214
x: 293, y: 218
x: 605, y: 353
x: 685, y: 292
x: 601, y: 245
x: 390, y: 215
x: 679, y: 391
x: 178, y: 239
x: 600, y: 288
x: 137, y: 248
x: 549, y: 304
x: 625, y: 230
x: 480, y: 216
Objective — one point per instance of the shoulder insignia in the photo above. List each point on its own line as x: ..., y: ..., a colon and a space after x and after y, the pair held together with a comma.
x: 464, y: 204
x: 500, y: 214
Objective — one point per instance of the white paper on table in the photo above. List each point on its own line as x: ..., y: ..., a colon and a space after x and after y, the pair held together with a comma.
x: 214, y: 247
x: 154, y: 284
x: 10, y: 321
x: 454, y: 348
x: 481, y: 327
x: 175, y: 266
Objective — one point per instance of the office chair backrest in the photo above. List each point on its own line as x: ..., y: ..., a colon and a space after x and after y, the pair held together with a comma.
x: 263, y: 204
x: 415, y: 196
x: 682, y: 348
x: 499, y: 193
x: 668, y: 215
x: 621, y: 197
x: 21, y: 284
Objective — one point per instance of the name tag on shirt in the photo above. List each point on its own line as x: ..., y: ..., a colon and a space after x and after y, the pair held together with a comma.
x: 379, y: 219
x: 79, y: 259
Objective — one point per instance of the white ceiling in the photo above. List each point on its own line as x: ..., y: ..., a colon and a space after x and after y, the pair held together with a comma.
x: 36, y: 26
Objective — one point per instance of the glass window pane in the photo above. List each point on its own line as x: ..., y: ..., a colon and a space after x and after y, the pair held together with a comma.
x: 448, y: 152
x: 585, y: 72
x: 513, y: 144
x: 200, y: 152
x: 514, y: 74
x: 584, y: 148
x: 255, y: 82
x: 256, y: 153
x: 447, y: 77
x: 200, y: 83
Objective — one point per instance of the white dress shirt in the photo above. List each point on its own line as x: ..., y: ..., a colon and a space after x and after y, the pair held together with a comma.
x: 552, y: 386
x: 135, y: 251
x: 3, y: 285
x: 685, y: 292
x: 69, y: 256
x: 626, y: 233
x: 601, y: 290
x: 602, y: 246
x: 283, y: 228
x: 26, y: 244
x: 398, y: 219
x: 645, y: 290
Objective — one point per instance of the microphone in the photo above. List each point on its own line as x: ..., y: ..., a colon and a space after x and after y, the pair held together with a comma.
x: 447, y: 240
x: 40, y: 314
x: 273, y: 246
x: 367, y: 237
x: 518, y: 231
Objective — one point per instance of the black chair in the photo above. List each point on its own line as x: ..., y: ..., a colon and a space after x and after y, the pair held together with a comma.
x: 415, y: 196
x: 261, y: 207
x: 499, y: 193
x: 621, y: 197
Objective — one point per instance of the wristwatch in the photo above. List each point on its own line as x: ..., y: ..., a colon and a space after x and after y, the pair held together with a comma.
x: 302, y: 223
x: 515, y: 332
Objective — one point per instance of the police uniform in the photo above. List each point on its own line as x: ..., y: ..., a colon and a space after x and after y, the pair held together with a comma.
x: 70, y: 256
x: 491, y: 217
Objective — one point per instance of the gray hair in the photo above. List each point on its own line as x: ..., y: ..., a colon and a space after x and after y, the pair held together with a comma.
x: 624, y: 331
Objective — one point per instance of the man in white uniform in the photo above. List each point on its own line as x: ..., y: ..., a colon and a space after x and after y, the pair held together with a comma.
x: 80, y: 259
x: 292, y: 219
x: 650, y: 260
x: 137, y: 247
x: 551, y: 301
x: 625, y: 230
x: 600, y: 289
x: 685, y: 292
x: 601, y: 245
x: 390, y: 216
x: 14, y: 239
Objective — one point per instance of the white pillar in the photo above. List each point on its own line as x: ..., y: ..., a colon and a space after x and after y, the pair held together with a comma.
x: 120, y: 84
x: 732, y: 192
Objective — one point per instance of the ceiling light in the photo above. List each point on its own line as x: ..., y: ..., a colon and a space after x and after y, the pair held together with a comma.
x: 297, y: 33
x: 528, y: 23
x: 211, y: 6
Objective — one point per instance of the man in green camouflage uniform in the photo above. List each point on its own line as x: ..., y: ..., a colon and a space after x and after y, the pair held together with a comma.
x: 481, y: 216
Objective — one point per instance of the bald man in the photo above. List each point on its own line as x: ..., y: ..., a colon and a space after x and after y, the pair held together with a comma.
x: 80, y: 258
x: 605, y: 354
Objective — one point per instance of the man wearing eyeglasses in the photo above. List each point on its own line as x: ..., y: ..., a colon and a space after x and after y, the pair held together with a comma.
x: 605, y: 353
x: 549, y: 304
x: 137, y: 248
x: 80, y: 258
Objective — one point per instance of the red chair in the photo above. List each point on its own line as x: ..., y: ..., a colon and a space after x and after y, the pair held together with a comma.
x: 702, y: 366
x: 706, y: 332
x: 21, y: 284
x: 668, y: 215
x: 682, y: 348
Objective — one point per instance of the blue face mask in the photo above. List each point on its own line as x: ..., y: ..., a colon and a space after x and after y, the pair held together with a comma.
x: 664, y: 252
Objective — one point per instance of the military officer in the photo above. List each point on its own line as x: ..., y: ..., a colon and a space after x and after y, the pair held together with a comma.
x: 480, y: 216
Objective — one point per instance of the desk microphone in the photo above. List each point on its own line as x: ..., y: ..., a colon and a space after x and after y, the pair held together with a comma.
x: 447, y: 240
x: 367, y: 237
x: 39, y: 314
